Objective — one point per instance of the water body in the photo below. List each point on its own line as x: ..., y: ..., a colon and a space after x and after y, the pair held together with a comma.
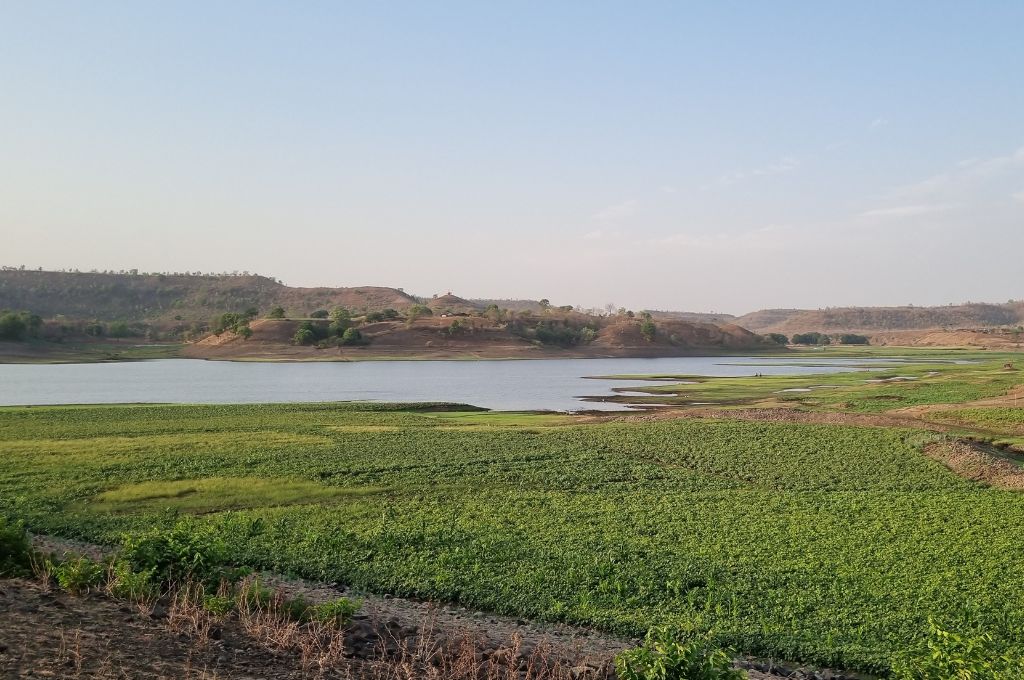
x: 550, y: 384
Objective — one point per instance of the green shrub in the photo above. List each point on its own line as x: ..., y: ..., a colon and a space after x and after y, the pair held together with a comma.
x: 123, y: 581
x: 77, y: 575
x: 960, y: 657
x: 351, y: 336
x: 304, y: 336
x: 219, y: 605
x: 338, y: 611
x: 255, y: 595
x: 188, y: 550
x: 15, y: 549
x: 676, y: 654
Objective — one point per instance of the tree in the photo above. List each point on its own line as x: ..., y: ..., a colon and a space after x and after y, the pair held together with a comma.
x: 304, y: 336
x: 458, y: 327
x: 853, y: 339
x: 647, y: 328
x: 276, y: 313
x: 338, y: 327
x: 341, y: 314
x: 352, y: 337
x: 319, y: 314
x: 416, y: 311
x: 777, y: 338
x: 811, y: 339
x: 544, y: 304
x: 119, y: 329
x: 12, y: 326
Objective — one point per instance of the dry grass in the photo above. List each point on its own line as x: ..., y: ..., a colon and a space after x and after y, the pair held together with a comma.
x: 323, y: 649
x: 975, y: 464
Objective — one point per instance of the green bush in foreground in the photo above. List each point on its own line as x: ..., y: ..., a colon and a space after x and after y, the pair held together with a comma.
x: 78, y: 575
x: 219, y: 605
x: 15, y: 549
x: 187, y: 551
x: 125, y: 582
x: 676, y: 654
x: 960, y: 657
x: 337, y: 611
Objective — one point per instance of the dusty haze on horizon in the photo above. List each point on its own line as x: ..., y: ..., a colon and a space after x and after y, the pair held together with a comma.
x: 703, y: 158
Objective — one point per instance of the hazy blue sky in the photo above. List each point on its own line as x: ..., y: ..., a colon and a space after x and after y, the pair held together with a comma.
x: 725, y: 156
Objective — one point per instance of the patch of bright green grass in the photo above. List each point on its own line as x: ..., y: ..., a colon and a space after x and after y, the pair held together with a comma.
x: 218, y: 493
x: 503, y: 418
x: 1004, y: 420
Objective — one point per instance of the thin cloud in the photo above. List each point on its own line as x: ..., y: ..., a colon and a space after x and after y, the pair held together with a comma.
x: 967, y: 174
x: 602, y: 235
x: 877, y: 123
x: 782, y: 166
x: 908, y: 210
x: 616, y: 212
x: 772, y: 237
x: 1019, y: 196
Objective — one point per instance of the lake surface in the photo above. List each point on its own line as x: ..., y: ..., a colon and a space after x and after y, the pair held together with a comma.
x: 555, y: 384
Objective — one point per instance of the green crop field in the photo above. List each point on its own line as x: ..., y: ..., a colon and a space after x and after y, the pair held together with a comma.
x: 828, y: 544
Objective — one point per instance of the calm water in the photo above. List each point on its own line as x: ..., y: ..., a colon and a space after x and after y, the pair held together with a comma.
x: 555, y: 384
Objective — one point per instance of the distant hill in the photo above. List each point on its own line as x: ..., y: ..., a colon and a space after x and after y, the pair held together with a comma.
x: 156, y: 298
x: 883, y: 319
x: 480, y: 337
x: 452, y: 304
x: 515, y: 305
x: 699, y: 317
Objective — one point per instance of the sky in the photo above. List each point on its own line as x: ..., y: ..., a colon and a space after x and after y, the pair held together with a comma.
x: 716, y: 156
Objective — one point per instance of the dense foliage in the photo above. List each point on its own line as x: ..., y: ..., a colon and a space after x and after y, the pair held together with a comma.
x: 853, y: 339
x: 810, y: 339
x: 676, y: 654
x: 19, y: 325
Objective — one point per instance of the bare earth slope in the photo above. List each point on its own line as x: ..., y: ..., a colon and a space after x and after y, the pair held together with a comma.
x: 883, y: 319
x: 159, y: 297
x: 479, y: 338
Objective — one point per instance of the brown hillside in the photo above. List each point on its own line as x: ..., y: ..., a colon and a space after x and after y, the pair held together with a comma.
x: 680, y: 334
x: 992, y: 338
x: 433, y: 337
x: 883, y: 319
x: 166, y: 299
x: 452, y: 303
